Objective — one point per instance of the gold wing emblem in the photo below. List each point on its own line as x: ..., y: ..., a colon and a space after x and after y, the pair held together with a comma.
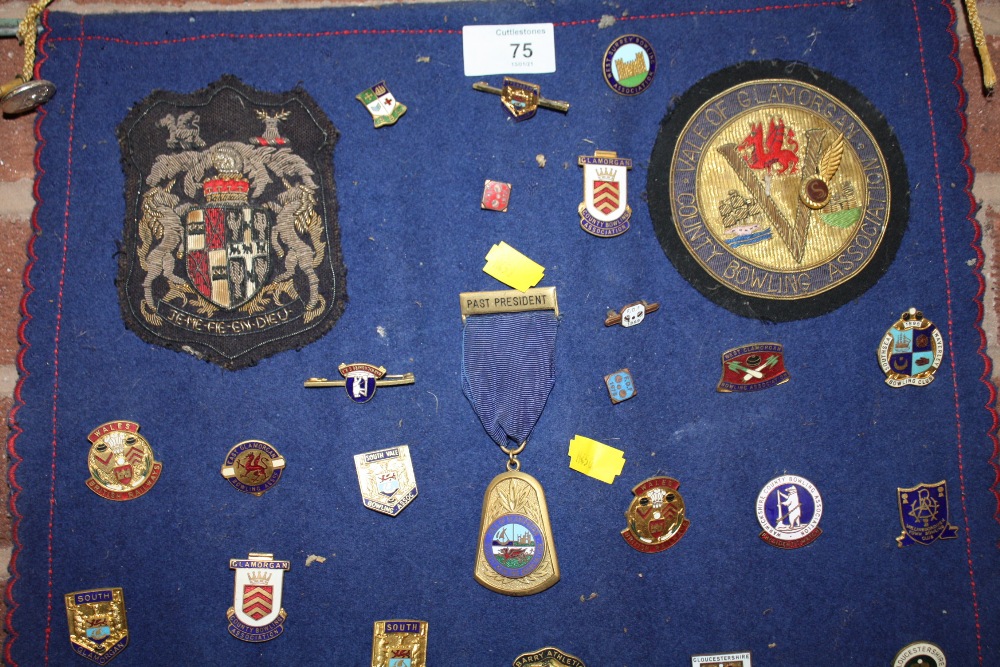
x: 830, y: 162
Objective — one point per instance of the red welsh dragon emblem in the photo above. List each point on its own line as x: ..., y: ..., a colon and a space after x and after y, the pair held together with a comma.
x: 776, y: 151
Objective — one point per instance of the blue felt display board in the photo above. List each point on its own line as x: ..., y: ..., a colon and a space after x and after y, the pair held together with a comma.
x: 413, y: 237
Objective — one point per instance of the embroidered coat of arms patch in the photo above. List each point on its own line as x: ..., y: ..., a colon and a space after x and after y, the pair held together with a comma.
x: 231, y: 245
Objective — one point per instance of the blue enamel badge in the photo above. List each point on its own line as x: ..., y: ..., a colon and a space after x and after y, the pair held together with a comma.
x: 620, y: 385
x: 923, y: 511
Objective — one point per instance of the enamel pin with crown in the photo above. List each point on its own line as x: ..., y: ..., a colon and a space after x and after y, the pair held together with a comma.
x: 911, y: 350
x: 256, y: 614
x: 604, y: 210
x: 657, y: 518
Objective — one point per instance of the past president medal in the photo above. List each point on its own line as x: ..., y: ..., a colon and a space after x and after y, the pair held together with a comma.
x: 778, y: 191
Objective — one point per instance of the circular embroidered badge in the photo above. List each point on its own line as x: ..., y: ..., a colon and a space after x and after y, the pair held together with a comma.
x: 920, y: 654
x: 253, y: 466
x: 789, y: 509
x: 513, y: 546
x: 656, y: 516
x: 121, y: 462
x: 629, y: 65
x: 911, y: 350
x: 779, y: 192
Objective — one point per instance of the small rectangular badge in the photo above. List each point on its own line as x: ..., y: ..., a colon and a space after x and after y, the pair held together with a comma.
x: 741, y: 659
x: 527, y: 48
x: 399, y: 644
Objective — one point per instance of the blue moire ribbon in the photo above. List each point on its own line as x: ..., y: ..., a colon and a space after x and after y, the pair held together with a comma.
x: 508, y: 369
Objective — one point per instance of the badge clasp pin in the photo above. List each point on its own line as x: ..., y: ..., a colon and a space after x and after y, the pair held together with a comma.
x: 361, y: 380
x: 521, y: 99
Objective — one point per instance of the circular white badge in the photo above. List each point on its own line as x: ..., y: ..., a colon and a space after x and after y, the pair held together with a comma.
x: 919, y: 654
x: 789, y: 509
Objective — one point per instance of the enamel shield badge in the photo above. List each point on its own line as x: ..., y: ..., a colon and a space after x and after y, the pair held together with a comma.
x: 911, y: 351
x: 98, y: 629
x: 778, y: 191
x: 256, y: 614
x: 399, y: 644
x: 923, y: 511
x: 605, y: 210
x: 231, y: 246
x: 386, y: 479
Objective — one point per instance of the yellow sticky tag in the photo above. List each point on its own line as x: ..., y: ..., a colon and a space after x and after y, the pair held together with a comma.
x: 595, y: 459
x: 512, y: 268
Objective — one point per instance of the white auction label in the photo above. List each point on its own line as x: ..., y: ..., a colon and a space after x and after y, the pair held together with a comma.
x: 527, y: 48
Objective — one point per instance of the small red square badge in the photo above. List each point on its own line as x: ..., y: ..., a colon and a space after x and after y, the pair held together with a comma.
x: 496, y: 196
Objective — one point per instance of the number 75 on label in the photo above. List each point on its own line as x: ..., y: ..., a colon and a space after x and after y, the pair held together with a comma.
x: 527, y: 48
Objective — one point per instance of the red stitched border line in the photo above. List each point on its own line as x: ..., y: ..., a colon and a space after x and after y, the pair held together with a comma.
x: 947, y: 282
x: 15, y: 428
x: 447, y: 31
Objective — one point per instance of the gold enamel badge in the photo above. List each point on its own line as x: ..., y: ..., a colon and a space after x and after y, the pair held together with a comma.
x: 787, y: 191
x: 253, y: 467
x: 386, y: 479
x: 121, y: 462
x: 656, y: 516
x: 98, y: 629
x: 399, y: 644
x: 911, y: 351
x: 549, y: 656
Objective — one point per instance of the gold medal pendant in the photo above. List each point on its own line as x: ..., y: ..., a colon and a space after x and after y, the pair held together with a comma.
x: 517, y: 555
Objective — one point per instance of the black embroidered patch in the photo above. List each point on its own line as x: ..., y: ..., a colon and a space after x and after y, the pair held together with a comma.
x: 231, y: 245
x: 778, y: 191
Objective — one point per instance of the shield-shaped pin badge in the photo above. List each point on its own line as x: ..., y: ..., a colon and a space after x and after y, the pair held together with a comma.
x: 520, y: 98
x: 360, y: 380
x: 98, y: 629
x: 605, y: 210
x: 231, y: 248
x: 386, y: 479
x: 399, y: 644
x: 923, y: 511
x: 256, y: 614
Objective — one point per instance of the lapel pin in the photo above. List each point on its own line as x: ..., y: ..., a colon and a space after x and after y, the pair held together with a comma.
x: 399, y: 644
x: 98, y: 628
x: 549, y: 656
x: 629, y: 65
x: 361, y: 380
x: 604, y: 210
x: 753, y: 367
x: 381, y: 104
x: 496, y: 196
x: 521, y: 99
x: 253, y: 466
x: 620, y: 385
x: 911, y: 350
x: 789, y: 509
x: 923, y: 511
x: 256, y: 614
x: 656, y: 516
x: 121, y: 462
x: 386, y: 479
x: 631, y: 314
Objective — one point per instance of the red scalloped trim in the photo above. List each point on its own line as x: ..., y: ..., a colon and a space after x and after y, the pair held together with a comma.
x: 960, y: 110
x: 23, y: 374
